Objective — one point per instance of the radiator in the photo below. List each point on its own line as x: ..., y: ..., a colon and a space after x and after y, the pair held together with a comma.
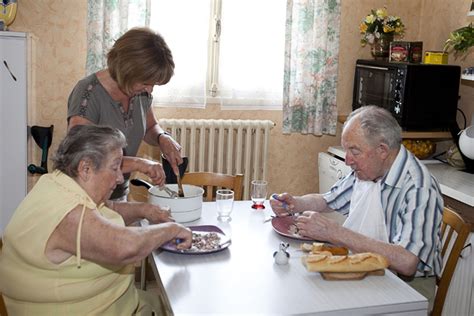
x: 224, y: 146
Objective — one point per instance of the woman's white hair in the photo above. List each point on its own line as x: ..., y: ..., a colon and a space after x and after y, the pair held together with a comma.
x: 90, y: 142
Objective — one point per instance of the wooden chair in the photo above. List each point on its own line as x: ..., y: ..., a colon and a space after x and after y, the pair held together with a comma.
x: 3, y: 308
x: 211, y: 181
x: 452, y: 222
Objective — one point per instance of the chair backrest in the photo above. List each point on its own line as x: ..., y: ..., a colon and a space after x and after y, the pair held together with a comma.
x: 211, y: 181
x: 3, y: 308
x: 452, y: 248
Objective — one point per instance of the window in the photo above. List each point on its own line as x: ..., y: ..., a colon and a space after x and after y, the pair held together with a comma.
x: 226, y: 51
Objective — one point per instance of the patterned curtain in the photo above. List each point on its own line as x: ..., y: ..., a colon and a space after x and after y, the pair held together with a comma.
x: 311, y: 60
x: 107, y: 20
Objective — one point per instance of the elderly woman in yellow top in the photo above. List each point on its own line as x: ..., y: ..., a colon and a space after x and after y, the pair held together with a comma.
x: 68, y: 250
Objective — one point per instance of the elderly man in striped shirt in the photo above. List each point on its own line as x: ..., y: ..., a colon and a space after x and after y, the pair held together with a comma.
x: 394, y: 204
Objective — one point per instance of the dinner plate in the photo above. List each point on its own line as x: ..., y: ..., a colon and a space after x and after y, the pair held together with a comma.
x: 223, y: 244
x: 282, y: 226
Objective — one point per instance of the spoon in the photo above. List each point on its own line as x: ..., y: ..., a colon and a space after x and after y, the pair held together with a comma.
x: 180, y: 186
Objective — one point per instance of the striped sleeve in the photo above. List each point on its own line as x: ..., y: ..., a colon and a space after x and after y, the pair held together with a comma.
x: 339, y: 197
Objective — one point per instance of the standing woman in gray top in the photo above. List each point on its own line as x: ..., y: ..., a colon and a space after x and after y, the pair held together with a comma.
x: 120, y: 96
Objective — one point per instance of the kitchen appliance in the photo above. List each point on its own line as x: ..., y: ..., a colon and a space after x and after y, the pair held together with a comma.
x: 331, y: 167
x: 421, y: 97
x: 464, y: 140
x: 14, y: 138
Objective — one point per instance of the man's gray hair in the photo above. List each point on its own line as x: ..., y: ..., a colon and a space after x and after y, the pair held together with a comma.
x: 378, y: 125
x: 90, y: 142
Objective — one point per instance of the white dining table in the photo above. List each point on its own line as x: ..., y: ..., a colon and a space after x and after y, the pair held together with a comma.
x: 244, y: 279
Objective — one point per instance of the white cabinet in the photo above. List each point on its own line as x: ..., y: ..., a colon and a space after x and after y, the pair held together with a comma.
x: 13, y: 123
x: 331, y: 168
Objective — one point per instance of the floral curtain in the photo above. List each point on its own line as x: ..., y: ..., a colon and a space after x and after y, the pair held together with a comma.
x: 311, y: 60
x: 107, y: 20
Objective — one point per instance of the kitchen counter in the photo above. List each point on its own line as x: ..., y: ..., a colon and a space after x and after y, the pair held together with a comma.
x: 457, y: 187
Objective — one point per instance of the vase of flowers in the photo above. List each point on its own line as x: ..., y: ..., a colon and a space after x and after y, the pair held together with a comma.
x: 379, y: 29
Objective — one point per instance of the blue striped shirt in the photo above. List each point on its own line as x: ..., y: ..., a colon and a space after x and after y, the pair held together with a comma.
x: 413, y: 205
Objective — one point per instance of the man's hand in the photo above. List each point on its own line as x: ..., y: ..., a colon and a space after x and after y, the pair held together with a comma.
x: 316, y: 226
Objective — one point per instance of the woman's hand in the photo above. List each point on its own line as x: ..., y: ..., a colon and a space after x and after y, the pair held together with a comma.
x: 153, y: 170
x: 172, y: 151
x: 282, y: 204
x: 155, y: 135
x: 184, y: 237
x: 156, y: 214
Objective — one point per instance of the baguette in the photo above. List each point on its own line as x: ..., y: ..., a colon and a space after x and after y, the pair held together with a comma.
x: 361, y: 262
x: 319, y: 247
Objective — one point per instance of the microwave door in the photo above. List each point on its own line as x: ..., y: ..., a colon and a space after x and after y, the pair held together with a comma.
x: 375, y: 86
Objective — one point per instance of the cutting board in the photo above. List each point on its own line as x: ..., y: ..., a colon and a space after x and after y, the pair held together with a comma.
x: 333, y: 276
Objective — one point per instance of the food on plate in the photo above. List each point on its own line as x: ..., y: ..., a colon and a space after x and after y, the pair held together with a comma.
x: 319, y: 247
x: 293, y: 230
x: 205, y: 241
x: 361, y: 262
x: 306, y: 247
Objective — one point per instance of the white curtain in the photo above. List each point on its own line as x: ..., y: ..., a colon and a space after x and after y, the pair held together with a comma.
x: 184, y: 24
x: 252, y: 54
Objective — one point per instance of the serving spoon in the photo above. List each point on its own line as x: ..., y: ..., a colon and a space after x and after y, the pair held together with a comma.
x: 180, y: 186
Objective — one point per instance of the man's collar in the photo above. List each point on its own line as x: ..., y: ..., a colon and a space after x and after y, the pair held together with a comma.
x: 394, y: 176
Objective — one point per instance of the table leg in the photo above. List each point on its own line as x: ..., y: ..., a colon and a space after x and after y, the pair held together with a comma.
x: 143, y: 275
x: 162, y: 292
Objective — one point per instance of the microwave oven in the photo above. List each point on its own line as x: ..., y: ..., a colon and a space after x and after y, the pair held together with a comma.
x: 420, y: 96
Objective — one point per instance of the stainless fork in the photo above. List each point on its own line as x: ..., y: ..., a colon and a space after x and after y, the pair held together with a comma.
x: 285, y: 215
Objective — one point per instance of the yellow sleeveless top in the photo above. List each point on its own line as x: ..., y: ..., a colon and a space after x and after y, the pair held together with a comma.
x: 32, y: 285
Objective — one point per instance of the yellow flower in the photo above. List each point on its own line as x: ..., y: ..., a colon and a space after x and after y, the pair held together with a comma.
x: 363, y: 28
x: 370, y: 19
x: 381, y: 13
x: 387, y: 29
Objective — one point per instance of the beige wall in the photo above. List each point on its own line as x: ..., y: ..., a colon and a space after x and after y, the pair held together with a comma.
x: 59, y: 32
x: 439, y: 18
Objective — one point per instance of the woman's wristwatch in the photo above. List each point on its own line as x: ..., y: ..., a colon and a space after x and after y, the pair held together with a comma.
x: 160, y: 134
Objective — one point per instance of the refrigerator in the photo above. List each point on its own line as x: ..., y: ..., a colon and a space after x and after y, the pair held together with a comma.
x: 13, y: 123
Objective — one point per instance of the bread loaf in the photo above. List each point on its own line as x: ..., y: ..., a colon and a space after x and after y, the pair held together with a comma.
x: 361, y: 262
x: 319, y: 247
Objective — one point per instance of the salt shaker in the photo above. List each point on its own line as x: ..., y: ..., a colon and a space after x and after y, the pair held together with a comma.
x: 282, y: 256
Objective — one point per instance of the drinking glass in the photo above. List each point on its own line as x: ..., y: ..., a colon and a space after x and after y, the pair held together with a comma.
x: 225, y: 203
x: 258, y: 193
